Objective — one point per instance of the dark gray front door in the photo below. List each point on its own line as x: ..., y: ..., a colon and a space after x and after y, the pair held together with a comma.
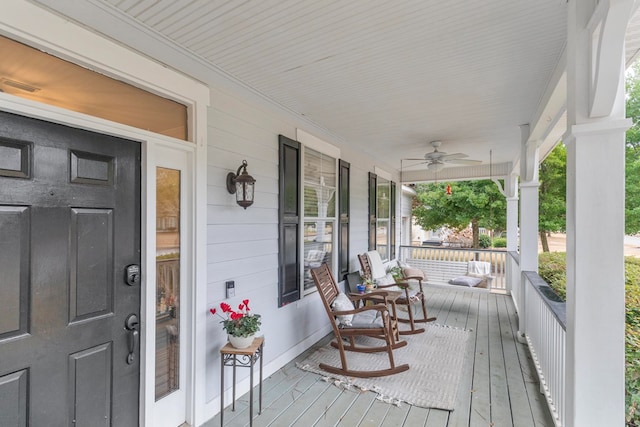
x: 69, y: 225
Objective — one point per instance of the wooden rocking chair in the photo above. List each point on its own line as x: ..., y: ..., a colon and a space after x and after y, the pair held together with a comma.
x: 407, y: 299
x: 370, y: 321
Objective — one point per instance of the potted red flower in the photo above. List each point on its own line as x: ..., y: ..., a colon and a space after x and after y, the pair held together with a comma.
x: 241, y: 325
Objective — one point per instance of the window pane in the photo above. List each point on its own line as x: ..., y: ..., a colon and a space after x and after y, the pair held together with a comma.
x: 167, y: 281
x: 382, y: 238
x: 383, y: 198
x: 318, y: 247
x: 319, y: 184
x: 29, y: 73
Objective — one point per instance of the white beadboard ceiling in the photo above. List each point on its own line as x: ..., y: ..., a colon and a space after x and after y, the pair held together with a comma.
x: 385, y: 77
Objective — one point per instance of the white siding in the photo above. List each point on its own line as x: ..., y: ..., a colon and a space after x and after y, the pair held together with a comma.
x: 243, y: 244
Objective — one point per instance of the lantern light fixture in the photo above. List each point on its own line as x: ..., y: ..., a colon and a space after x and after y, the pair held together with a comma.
x: 242, y: 184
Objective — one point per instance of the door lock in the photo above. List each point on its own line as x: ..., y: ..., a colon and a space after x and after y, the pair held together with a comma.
x: 133, y: 336
x: 132, y: 274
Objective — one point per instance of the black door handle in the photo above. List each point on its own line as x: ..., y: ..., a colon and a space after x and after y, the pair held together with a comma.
x: 133, y: 336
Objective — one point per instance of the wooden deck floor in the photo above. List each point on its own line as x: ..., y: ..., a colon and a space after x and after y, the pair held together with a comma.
x: 499, y: 386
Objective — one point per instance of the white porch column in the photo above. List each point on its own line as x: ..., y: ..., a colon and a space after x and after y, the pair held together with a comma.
x: 511, y: 193
x: 596, y: 127
x: 511, y: 196
x: 528, y: 219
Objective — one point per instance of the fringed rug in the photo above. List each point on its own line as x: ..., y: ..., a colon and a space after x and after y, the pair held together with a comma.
x: 436, y: 360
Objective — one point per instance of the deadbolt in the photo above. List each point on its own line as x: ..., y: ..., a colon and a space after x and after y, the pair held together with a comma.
x: 132, y: 274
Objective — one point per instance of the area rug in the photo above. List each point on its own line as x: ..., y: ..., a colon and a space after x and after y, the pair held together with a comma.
x: 436, y: 361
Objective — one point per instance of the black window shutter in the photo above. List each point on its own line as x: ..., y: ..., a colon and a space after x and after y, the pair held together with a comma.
x: 373, y: 187
x: 289, y: 221
x: 343, y: 256
x: 392, y: 207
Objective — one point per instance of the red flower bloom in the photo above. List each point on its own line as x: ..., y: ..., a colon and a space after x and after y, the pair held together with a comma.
x: 238, y: 323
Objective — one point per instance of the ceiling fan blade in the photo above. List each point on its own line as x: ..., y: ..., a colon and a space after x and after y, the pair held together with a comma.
x: 454, y: 156
x: 464, y: 161
x: 420, y: 162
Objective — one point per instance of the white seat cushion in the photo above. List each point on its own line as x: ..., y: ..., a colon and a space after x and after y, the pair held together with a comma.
x: 368, y: 319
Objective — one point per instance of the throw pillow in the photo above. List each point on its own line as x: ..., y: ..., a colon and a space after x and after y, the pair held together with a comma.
x: 343, y: 303
x: 466, y: 281
x: 413, y: 272
x: 386, y: 280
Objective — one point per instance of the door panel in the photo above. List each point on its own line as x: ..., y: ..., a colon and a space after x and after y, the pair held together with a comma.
x: 14, y: 264
x: 90, y: 382
x: 70, y: 224
x: 91, y: 265
x: 13, y: 399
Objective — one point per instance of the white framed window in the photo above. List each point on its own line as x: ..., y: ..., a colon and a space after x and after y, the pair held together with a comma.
x: 383, y: 217
x: 319, y: 200
x: 308, y: 213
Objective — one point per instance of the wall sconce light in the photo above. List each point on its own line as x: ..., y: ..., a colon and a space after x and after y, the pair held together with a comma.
x: 242, y: 184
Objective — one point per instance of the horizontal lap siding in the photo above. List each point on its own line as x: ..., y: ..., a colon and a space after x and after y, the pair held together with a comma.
x: 242, y: 245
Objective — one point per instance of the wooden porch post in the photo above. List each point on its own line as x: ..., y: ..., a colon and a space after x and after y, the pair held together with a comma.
x: 528, y: 219
x: 595, y: 212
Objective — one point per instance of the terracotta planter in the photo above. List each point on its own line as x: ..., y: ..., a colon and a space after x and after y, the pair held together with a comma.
x: 241, y: 342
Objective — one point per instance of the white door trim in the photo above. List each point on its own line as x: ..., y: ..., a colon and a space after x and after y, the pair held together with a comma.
x: 171, y: 410
x: 34, y: 26
x: 37, y: 27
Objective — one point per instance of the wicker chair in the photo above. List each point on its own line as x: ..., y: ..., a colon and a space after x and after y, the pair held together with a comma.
x: 368, y: 321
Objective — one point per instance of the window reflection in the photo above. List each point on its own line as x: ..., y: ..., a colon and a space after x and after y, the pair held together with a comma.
x: 319, y: 211
x: 167, y: 281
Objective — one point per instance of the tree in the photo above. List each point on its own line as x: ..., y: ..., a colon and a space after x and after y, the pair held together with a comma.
x: 632, y: 151
x: 478, y: 203
x: 552, y: 194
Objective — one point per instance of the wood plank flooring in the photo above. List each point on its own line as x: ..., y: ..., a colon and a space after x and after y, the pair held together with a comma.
x: 499, y: 386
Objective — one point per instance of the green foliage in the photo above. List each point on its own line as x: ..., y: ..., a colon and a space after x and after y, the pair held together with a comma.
x: 552, y: 268
x: 478, y: 202
x: 552, y: 191
x: 500, y: 242
x: 632, y: 153
x: 485, y: 241
x: 396, y: 273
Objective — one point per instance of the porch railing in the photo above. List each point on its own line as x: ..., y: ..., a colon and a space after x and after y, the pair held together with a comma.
x: 442, y: 264
x: 545, y: 331
x: 544, y: 313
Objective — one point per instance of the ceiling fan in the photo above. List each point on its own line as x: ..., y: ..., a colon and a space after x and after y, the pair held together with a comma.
x: 436, y: 160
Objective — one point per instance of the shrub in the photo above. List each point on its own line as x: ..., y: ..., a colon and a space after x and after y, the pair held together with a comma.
x: 484, y: 241
x: 500, y: 242
x: 552, y: 268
